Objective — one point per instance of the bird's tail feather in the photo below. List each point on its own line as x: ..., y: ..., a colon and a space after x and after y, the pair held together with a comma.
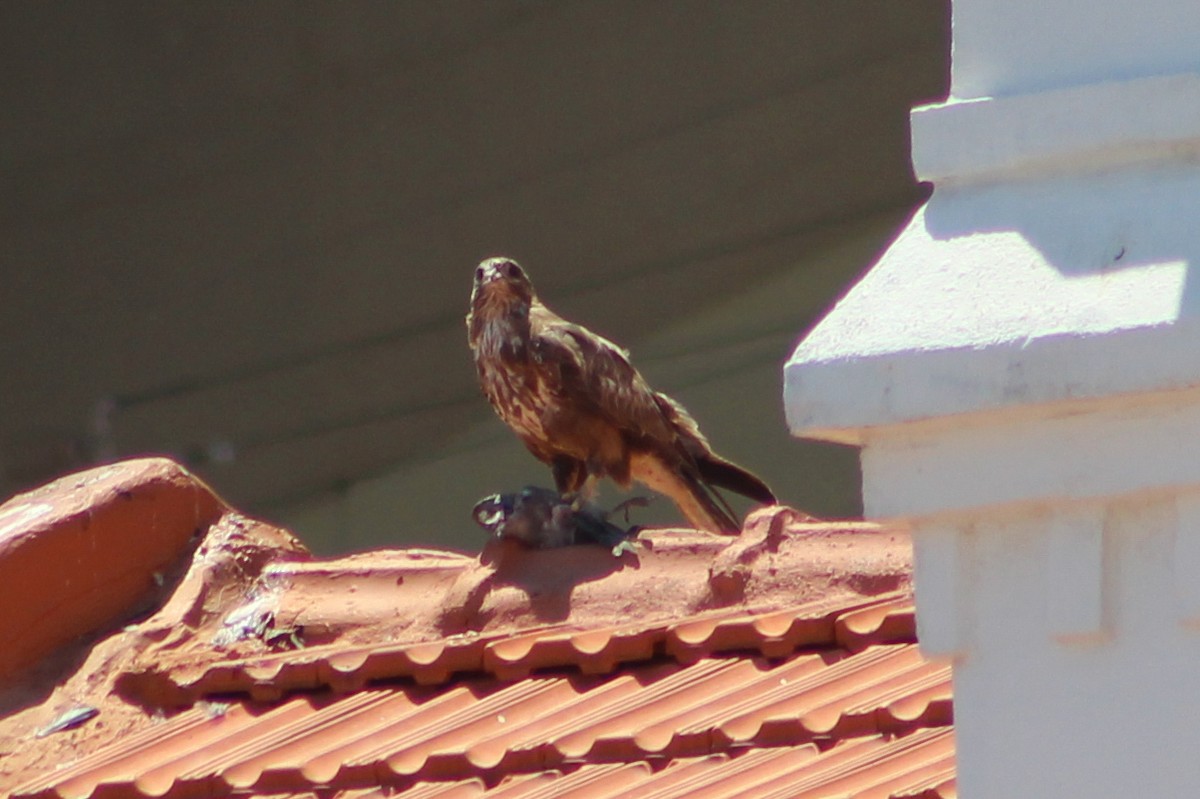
x: 719, y: 472
x: 705, y: 509
x: 714, y: 470
x: 688, y: 492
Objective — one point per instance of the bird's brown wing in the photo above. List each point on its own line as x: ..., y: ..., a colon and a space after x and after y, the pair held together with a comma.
x: 606, y: 407
x: 714, y: 470
x: 593, y: 376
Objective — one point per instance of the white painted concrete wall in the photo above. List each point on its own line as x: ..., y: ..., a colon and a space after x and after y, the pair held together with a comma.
x: 1004, y: 294
x: 1023, y: 46
x: 1042, y: 712
x: 1022, y: 370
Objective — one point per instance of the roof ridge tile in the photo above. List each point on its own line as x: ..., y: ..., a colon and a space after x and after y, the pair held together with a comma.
x: 776, y: 632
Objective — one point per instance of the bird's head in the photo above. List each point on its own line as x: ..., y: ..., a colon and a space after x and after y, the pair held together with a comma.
x: 501, y: 282
x: 536, y: 517
x: 492, y: 512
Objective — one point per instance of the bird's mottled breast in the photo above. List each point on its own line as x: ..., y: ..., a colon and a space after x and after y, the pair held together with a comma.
x: 511, y: 379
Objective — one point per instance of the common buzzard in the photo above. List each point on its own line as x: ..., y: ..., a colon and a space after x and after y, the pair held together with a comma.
x: 580, y: 406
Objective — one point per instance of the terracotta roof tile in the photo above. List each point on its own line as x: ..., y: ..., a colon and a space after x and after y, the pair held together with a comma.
x: 920, y: 765
x: 659, y: 710
x: 764, y: 665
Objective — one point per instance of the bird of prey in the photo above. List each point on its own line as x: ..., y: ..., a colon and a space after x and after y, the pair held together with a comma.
x: 578, y: 404
x: 541, y: 518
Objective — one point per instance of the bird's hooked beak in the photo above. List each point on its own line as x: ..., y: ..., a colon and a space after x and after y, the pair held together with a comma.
x: 489, y: 270
x: 501, y: 277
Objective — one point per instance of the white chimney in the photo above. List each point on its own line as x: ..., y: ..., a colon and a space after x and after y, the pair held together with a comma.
x: 1022, y: 371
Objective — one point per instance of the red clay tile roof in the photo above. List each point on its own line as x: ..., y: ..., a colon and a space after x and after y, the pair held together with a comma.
x: 779, y: 663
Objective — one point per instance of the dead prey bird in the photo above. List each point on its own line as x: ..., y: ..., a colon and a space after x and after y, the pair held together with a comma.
x: 577, y: 403
x: 541, y: 518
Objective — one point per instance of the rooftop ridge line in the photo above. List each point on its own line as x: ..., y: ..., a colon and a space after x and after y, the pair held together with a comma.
x: 886, y: 618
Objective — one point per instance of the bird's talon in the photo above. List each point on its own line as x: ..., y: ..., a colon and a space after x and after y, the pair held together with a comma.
x: 623, y: 547
x: 640, y: 502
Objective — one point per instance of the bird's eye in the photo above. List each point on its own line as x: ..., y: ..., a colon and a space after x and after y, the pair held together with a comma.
x: 511, y: 270
x: 478, y: 274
